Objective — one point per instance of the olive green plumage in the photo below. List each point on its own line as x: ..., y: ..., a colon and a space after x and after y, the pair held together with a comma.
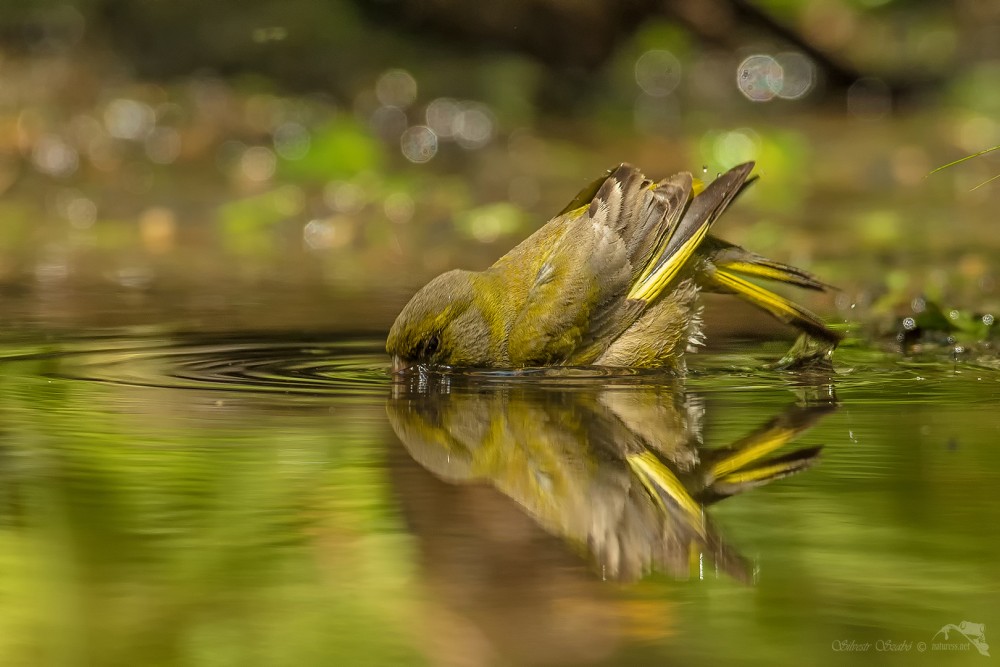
x: 612, y: 280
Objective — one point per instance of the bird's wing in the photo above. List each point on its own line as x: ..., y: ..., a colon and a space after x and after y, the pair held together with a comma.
x: 681, y: 241
x: 577, y: 302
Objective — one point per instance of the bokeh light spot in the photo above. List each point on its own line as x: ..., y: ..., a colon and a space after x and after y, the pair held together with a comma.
x: 759, y: 78
x: 258, y: 163
x: 81, y: 213
x: 975, y: 132
x: 736, y: 147
x: 328, y: 233
x: 292, y: 141
x: 128, y: 119
x: 658, y: 72
x: 53, y: 156
x: 441, y: 114
x: 163, y: 145
x: 419, y: 144
x: 158, y: 229
x: 396, y: 87
x: 473, y: 126
x: 798, y: 75
x: 399, y: 207
x: 344, y: 197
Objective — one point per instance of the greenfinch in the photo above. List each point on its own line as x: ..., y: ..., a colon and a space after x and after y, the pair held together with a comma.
x: 612, y: 280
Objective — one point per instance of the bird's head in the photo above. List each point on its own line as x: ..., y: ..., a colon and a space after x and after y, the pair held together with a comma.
x: 441, y: 326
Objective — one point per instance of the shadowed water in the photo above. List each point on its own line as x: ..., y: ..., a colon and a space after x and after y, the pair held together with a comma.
x: 270, y: 500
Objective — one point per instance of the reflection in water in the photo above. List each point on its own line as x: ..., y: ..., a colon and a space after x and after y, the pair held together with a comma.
x: 620, y: 471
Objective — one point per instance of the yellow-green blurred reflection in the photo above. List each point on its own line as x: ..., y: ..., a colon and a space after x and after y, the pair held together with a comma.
x: 621, y: 472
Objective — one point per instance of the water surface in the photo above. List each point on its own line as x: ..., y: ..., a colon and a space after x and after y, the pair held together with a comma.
x: 267, y: 500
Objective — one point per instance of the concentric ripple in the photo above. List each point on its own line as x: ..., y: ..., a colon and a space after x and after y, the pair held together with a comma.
x: 278, y: 366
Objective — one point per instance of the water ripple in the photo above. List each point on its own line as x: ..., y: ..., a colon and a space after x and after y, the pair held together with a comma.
x: 287, y: 367
x: 347, y: 367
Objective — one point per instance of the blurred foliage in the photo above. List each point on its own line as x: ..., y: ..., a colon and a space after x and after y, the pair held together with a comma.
x: 294, y: 157
x: 340, y: 150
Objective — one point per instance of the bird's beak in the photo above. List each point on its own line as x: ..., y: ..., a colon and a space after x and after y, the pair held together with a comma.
x: 398, y: 364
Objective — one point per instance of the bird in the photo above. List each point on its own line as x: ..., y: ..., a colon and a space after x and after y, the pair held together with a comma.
x: 612, y: 280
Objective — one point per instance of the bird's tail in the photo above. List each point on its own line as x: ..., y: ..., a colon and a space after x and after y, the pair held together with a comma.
x: 728, y: 268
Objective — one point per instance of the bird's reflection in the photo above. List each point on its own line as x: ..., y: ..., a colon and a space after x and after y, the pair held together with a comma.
x: 620, y: 470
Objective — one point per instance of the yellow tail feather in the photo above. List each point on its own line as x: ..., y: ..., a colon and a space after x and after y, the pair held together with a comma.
x: 771, y: 270
x: 777, y: 305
